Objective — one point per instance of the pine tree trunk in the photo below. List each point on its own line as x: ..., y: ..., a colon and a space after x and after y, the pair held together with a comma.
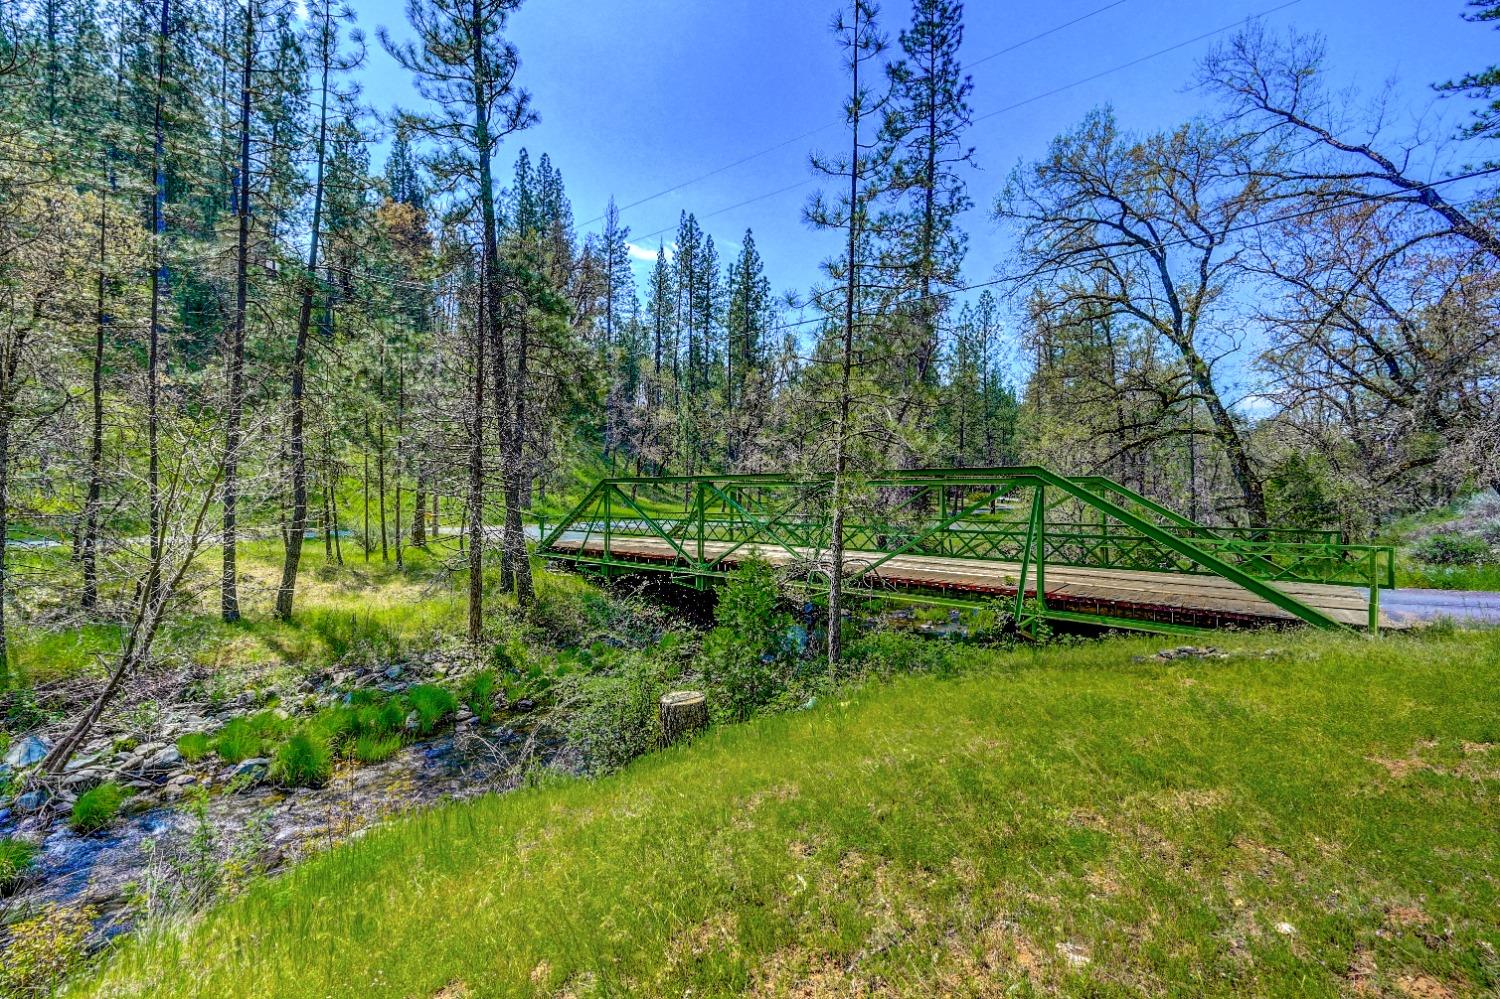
x: 836, y: 539
x: 503, y: 417
x: 400, y: 436
x: 296, y: 443
x: 515, y: 480
x: 419, y: 512
x: 473, y: 514
x: 326, y: 496
x: 229, y: 601
x: 385, y: 553
x: 5, y: 419
x: 333, y: 513
x: 159, y: 277
x: 366, y: 486
x: 89, y: 554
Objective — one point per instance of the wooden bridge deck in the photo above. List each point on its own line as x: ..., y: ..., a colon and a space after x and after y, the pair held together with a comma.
x: 1153, y: 596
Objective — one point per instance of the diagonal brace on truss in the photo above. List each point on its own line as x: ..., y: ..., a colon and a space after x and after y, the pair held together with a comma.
x: 942, y: 525
x: 664, y: 535
x: 761, y: 526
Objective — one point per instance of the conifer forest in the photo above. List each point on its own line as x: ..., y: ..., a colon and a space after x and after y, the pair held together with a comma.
x: 301, y: 388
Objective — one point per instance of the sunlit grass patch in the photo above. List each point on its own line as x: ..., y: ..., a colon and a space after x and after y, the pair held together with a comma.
x: 97, y: 807
x: 1077, y: 820
x: 40, y: 655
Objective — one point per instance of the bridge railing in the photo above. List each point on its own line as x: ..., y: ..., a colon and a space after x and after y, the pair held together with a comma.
x: 1024, y: 515
x: 1071, y: 544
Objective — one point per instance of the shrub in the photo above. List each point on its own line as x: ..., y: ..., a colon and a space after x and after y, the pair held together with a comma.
x: 16, y: 859
x: 479, y: 694
x: 889, y: 652
x: 194, y: 746
x: 432, y: 704
x: 375, y: 748
x: 566, y: 606
x: 44, y: 950
x: 1451, y: 549
x: 303, y: 760
x: 97, y: 808
x: 613, y: 718
x: 745, y: 656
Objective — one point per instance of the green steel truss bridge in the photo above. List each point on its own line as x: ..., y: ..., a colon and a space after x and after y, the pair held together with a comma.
x: 1053, y: 548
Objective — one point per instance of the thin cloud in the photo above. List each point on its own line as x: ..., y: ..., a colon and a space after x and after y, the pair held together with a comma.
x: 638, y: 252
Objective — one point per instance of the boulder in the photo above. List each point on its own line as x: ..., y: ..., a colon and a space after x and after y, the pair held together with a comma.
x: 82, y: 780
x: 28, y: 749
x: 32, y: 801
x: 163, y: 759
x: 252, y: 769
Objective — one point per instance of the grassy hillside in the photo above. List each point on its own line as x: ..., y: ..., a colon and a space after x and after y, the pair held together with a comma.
x: 1310, y: 816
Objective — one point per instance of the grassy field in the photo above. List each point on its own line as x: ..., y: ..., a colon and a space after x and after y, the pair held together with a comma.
x: 1311, y: 816
x: 372, y: 605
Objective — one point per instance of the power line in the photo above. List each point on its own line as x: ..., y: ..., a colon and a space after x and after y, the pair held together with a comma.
x: 1137, y: 61
x: 824, y: 127
x: 1165, y: 244
x: 739, y: 204
x: 989, y: 114
x: 1011, y: 107
x: 1039, y: 36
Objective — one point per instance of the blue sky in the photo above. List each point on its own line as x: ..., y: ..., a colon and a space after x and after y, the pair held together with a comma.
x: 636, y: 96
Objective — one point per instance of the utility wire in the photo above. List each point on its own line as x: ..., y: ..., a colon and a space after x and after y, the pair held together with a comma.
x: 1137, y: 61
x: 1162, y: 245
x: 824, y: 127
x: 987, y: 115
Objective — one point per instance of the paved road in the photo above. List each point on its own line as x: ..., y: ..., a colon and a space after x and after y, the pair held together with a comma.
x: 1463, y: 606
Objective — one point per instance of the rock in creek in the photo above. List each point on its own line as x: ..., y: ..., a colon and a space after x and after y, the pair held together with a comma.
x: 28, y: 750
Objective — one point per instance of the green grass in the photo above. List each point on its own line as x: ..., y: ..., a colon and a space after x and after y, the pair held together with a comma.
x: 16, y: 859
x: 432, y: 704
x: 194, y: 746
x: 1448, y: 577
x: 1314, y: 816
x: 96, y: 808
x: 479, y: 694
x: 303, y: 760
x: 37, y: 656
x: 376, y: 748
x: 371, y: 611
x: 250, y: 736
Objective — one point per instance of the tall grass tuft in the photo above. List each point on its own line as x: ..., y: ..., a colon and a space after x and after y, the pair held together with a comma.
x: 350, y: 634
x: 249, y: 736
x: 376, y: 748
x: 17, y: 857
x: 303, y: 760
x: 479, y: 694
x: 432, y: 704
x: 194, y: 746
x: 97, y: 808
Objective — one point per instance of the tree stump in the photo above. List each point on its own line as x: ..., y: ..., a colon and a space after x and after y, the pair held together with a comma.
x: 683, y: 712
